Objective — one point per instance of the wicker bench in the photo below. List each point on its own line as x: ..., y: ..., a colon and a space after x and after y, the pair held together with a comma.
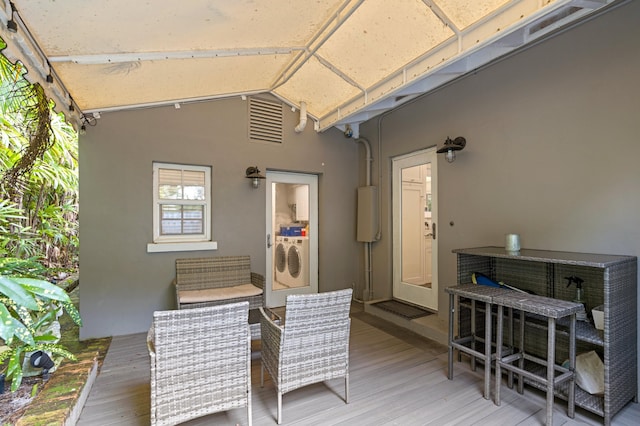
x: 210, y: 281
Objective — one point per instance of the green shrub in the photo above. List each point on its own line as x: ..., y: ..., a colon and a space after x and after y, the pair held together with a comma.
x: 28, y: 308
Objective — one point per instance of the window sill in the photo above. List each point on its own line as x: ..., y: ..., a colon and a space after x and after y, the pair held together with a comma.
x: 166, y: 247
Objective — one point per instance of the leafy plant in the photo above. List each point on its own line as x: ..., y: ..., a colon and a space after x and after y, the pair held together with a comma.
x: 38, y: 174
x: 28, y: 308
x: 15, y: 238
x: 38, y: 218
x: 27, y: 268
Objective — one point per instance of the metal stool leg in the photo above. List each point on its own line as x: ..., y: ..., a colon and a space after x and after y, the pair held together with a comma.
x: 451, y: 319
x: 551, y: 362
x: 499, y: 321
x: 473, y: 334
x: 510, y: 335
x: 521, y: 349
x: 572, y: 366
x: 487, y: 351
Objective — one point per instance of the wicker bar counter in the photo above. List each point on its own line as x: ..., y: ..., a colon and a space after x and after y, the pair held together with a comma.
x: 609, y: 280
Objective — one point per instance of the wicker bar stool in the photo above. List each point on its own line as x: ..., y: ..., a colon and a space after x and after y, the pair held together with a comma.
x: 468, y: 343
x: 552, y: 309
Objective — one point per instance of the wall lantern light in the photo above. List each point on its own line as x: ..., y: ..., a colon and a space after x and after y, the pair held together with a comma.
x: 253, y: 173
x: 451, y: 146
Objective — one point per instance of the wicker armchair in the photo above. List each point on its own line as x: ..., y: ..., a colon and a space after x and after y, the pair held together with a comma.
x: 311, y: 347
x: 200, y: 362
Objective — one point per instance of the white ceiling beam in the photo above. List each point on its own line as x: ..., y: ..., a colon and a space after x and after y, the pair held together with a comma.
x: 441, y: 15
x: 484, y: 44
x: 316, y: 42
x: 28, y: 46
x: 339, y: 73
x: 172, y: 102
x: 21, y: 47
x: 554, y: 21
x: 111, y: 58
x: 590, y: 4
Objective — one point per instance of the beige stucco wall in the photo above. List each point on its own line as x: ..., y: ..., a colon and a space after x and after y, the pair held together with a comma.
x: 122, y: 284
x: 553, y: 142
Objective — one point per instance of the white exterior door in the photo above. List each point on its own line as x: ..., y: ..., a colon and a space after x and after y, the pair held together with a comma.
x: 292, y: 236
x: 415, y: 278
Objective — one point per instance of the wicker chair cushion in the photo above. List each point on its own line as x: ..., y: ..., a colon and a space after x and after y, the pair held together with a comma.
x: 221, y: 293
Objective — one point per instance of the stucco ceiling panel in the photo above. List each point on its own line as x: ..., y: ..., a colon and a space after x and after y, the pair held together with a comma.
x: 346, y: 59
x: 316, y: 85
x: 383, y: 37
x: 133, y: 83
x: 73, y: 27
x: 464, y: 12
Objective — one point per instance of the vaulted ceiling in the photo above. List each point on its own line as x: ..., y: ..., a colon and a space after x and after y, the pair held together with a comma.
x: 341, y: 61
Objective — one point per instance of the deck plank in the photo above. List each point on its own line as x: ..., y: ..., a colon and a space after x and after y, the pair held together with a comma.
x: 396, y: 378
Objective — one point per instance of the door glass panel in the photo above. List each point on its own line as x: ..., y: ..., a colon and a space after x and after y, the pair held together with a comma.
x: 291, y: 251
x: 416, y: 225
x: 291, y: 236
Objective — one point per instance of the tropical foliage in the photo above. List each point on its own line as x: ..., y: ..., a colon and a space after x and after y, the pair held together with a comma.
x: 38, y: 220
x: 29, y: 308
x: 38, y: 174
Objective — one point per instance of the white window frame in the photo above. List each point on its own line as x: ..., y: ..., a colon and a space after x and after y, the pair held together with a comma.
x: 164, y: 243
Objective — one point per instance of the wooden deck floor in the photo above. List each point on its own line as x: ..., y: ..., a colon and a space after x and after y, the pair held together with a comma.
x: 396, y: 378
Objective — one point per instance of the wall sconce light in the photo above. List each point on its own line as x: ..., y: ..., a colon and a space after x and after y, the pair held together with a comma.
x: 253, y: 173
x: 451, y: 146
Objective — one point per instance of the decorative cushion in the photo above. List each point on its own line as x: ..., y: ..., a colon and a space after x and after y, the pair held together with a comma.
x: 221, y: 293
x: 482, y: 279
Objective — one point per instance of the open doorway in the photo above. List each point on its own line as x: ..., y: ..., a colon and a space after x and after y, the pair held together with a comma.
x: 292, y: 236
x: 415, y: 251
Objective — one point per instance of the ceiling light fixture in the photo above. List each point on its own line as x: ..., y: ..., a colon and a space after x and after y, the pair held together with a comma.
x: 451, y: 146
x: 253, y: 173
x: 12, y: 26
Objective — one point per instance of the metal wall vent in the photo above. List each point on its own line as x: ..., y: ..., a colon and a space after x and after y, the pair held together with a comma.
x: 554, y: 18
x: 265, y: 120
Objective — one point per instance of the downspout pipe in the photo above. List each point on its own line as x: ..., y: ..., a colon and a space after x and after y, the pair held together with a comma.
x: 303, y: 118
x: 369, y: 160
x: 368, y: 290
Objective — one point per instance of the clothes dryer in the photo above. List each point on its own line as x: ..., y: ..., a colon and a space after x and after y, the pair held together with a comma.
x: 292, y: 261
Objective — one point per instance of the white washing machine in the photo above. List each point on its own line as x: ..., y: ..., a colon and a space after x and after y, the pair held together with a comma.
x: 291, y: 261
